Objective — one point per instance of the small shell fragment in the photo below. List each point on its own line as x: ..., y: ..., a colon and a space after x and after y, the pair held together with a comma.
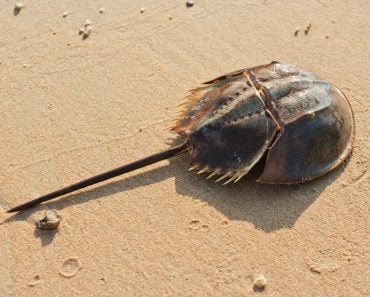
x: 65, y: 14
x: 260, y: 282
x: 51, y: 220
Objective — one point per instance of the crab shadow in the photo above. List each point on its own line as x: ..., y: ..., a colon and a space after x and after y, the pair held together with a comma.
x: 267, y: 207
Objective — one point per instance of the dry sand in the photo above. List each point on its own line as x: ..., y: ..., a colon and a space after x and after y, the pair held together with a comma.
x: 74, y: 105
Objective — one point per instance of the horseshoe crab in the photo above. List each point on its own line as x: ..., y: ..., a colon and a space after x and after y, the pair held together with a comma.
x: 274, y: 123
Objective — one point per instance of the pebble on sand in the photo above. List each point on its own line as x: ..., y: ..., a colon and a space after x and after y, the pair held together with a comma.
x: 101, y: 10
x: 189, y: 3
x: 65, y: 14
x: 260, y: 281
x: 308, y: 28
x: 18, y: 5
x: 87, y: 31
x: 50, y: 220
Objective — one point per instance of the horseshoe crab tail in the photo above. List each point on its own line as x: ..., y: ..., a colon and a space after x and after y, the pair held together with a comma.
x: 171, y: 152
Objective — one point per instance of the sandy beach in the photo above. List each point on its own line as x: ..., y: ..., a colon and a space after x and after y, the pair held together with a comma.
x: 86, y: 86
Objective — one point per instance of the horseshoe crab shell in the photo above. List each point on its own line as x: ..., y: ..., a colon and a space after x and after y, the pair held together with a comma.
x: 273, y: 123
x: 284, y: 120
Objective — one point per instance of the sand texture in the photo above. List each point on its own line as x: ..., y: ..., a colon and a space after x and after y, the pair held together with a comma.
x: 74, y: 104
